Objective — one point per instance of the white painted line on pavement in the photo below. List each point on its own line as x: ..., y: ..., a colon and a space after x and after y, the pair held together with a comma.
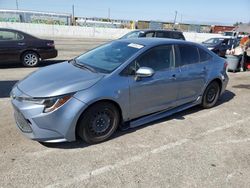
x: 137, y: 158
x: 234, y: 141
x: 117, y: 165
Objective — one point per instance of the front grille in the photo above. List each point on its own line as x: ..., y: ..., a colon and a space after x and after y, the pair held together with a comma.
x: 22, y: 123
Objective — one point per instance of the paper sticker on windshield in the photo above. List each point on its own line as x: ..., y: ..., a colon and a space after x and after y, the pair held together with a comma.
x: 133, y: 45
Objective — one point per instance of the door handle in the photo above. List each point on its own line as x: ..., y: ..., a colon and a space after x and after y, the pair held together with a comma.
x: 173, y: 77
x: 21, y: 43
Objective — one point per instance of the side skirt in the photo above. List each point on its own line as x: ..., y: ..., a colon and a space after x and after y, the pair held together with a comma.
x: 158, y: 115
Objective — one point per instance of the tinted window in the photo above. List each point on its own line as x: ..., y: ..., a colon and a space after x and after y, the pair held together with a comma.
x: 8, y: 35
x: 214, y: 41
x: 204, y: 56
x: 188, y: 54
x: 150, y: 34
x: 225, y: 42
x: 163, y: 35
x: 177, y: 35
x: 158, y: 58
x: 133, y: 34
x: 231, y: 42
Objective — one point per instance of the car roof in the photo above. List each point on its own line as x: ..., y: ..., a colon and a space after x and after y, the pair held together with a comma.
x: 15, y: 30
x: 8, y: 29
x: 221, y: 37
x: 163, y: 30
x: 155, y: 41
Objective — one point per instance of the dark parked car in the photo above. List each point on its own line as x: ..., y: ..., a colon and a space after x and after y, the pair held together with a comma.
x: 220, y: 45
x: 17, y: 46
x: 154, y: 33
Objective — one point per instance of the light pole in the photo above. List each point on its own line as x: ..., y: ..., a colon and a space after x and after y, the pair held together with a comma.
x: 175, y: 19
x: 73, y: 15
x: 17, y: 4
x: 109, y: 14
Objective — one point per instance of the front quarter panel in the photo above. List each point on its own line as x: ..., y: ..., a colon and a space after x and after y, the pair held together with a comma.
x: 111, y: 87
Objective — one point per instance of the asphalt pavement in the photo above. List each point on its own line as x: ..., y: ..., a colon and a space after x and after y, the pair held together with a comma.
x: 194, y: 148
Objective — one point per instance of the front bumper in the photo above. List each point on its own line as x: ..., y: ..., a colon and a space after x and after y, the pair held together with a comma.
x: 56, y: 126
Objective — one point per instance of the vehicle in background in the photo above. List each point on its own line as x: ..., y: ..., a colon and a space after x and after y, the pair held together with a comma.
x: 17, y: 46
x: 234, y: 34
x: 124, y: 83
x: 149, y: 33
x: 220, y: 45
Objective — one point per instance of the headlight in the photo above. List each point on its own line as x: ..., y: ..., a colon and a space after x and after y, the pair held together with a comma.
x: 54, y: 103
x: 50, y: 104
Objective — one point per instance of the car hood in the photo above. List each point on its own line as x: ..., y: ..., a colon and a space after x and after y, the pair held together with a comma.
x: 57, y: 80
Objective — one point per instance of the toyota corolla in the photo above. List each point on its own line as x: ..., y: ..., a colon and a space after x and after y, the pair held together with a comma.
x: 121, y: 84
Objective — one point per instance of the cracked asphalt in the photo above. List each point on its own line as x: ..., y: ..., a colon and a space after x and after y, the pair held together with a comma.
x: 194, y: 148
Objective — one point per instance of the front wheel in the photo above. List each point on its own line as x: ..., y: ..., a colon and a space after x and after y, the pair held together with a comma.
x: 98, y: 123
x: 211, y: 95
x: 30, y: 59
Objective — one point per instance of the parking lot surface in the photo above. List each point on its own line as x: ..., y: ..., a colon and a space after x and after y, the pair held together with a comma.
x: 194, y: 148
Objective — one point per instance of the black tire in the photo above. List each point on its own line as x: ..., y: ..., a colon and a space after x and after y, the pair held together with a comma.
x: 211, y: 95
x: 30, y: 59
x: 98, y: 123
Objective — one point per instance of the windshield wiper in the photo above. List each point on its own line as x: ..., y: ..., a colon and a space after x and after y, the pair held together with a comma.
x: 89, y: 68
x: 82, y: 65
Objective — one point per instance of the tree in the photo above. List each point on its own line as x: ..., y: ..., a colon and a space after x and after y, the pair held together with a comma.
x: 237, y: 23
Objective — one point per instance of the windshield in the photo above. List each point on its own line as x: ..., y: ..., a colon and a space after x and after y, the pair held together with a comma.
x: 214, y: 41
x: 133, y: 34
x: 229, y: 33
x: 108, y: 57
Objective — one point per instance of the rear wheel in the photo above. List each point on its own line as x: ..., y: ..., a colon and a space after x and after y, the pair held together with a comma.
x: 211, y: 95
x: 30, y: 59
x: 98, y: 123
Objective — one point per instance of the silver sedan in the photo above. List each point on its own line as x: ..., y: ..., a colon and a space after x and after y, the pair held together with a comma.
x: 124, y: 83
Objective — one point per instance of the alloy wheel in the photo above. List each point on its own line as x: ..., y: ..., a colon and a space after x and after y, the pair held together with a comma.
x: 30, y: 59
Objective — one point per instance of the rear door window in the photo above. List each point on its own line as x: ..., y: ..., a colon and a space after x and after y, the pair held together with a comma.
x: 9, y: 36
x: 225, y: 42
x: 204, y: 56
x: 176, y: 35
x: 187, y: 55
x: 149, y: 34
x: 162, y: 34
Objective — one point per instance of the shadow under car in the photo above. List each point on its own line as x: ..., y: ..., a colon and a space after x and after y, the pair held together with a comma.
x: 225, y: 97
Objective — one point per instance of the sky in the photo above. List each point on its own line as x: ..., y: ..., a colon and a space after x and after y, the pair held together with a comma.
x: 189, y: 11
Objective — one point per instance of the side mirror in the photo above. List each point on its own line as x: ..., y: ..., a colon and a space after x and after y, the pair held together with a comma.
x: 144, y: 72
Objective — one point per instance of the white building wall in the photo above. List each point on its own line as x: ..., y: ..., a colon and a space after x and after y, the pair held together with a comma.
x: 44, y: 30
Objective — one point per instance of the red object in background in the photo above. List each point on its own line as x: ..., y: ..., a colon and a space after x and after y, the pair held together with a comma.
x: 248, y: 65
x: 221, y: 29
x: 243, y: 40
